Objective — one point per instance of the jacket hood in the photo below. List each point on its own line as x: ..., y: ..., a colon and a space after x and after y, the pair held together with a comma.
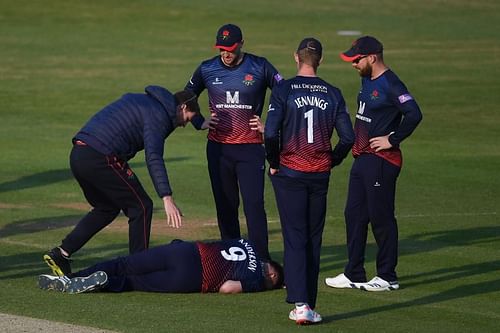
x: 166, y: 99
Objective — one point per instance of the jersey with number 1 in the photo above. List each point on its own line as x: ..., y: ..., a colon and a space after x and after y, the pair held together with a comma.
x: 235, y: 95
x: 303, y: 113
x: 230, y: 260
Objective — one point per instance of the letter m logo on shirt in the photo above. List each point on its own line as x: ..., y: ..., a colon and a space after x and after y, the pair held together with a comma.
x: 233, y: 99
x: 361, y: 108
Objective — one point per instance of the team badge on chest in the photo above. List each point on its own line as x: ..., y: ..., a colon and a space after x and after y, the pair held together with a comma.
x: 248, y: 81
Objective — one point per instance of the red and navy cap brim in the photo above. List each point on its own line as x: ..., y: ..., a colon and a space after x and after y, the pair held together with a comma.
x: 348, y: 58
x: 362, y: 46
x: 230, y: 48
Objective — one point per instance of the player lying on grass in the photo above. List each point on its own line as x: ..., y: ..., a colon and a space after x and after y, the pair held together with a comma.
x: 228, y: 266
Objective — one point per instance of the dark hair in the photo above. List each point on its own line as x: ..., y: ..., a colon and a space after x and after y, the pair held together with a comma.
x: 310, y: 52
x: 279, y: 270
x: 306, y: 56
x: 189, y: 98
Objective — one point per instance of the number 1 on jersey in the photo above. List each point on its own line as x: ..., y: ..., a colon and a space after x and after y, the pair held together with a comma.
x: 309, y: 116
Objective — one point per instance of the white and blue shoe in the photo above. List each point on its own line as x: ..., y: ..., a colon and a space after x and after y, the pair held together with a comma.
x: 378, y: 284
x: 93, y: 282
x: 51, y: 282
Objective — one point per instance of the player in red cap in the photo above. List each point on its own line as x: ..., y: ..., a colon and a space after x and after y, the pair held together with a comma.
x: 387, y: 114
x: 236, y: 83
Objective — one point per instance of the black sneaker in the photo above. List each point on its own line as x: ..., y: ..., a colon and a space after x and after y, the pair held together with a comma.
x: 50, y: 282
x: 57, y: 262
x: 93, y: 282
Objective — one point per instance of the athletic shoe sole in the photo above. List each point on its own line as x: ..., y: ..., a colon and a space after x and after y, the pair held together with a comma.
x: 49, y: 282
x: 351, y: 285
x: 345, y: 283
x: 372, y: 288
x: 53, y: 266
x: 87, y: 284
x: 306, y: 322
x: 316, y: 319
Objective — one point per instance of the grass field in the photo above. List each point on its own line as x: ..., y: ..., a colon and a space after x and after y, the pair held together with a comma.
x: 61, y: 61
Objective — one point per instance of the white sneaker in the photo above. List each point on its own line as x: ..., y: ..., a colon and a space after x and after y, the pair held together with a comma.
x: 378, y: 284
x: 51, y: 282
x: 340, y: 281
x: 304, y: 315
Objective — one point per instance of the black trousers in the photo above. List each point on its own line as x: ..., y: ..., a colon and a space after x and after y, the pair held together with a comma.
x: 169, y: 268
x: 110, y: 186
x: 234, y: 168
x: 372, y: 191
x: 302, y: 207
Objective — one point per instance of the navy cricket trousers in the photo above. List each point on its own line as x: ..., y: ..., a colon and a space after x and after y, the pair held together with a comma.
x: 110, y: 186
x: 169, y: 268
x: 302, y: 207
x: 234, y: 168
x: 371, y: 196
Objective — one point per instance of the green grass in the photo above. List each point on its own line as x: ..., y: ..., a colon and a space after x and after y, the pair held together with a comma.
x: 60, y: 62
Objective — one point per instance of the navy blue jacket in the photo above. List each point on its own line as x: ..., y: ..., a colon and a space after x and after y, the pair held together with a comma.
x: 133, y: 123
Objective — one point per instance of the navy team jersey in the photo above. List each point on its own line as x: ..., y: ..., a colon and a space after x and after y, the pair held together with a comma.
x: 235, y: 95
x: 230, y: 260
x: 384, y: 106
x: 303, y: 113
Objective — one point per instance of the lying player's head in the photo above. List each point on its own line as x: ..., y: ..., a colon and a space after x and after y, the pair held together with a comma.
x: 274, y: 274
x: 310, y: 52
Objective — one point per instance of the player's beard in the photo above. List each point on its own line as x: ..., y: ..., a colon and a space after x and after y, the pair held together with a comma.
x: 366, y: 71
x: 232, y: 60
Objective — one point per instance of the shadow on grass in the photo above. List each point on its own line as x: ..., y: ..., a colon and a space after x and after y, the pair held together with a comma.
x: 462, y: 291
x: 422, y: 243
x: 37, y: 225
x: 44, y: 224
x: 24, y: 264
x: 59, y: 175
x: 436, y: 276
x: 439, y: 239
x: 335, y: 257
x: 37, y: 179
x: 452, y: 273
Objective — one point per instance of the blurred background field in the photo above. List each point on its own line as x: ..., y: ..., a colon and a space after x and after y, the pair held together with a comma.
x: 61, y: 61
